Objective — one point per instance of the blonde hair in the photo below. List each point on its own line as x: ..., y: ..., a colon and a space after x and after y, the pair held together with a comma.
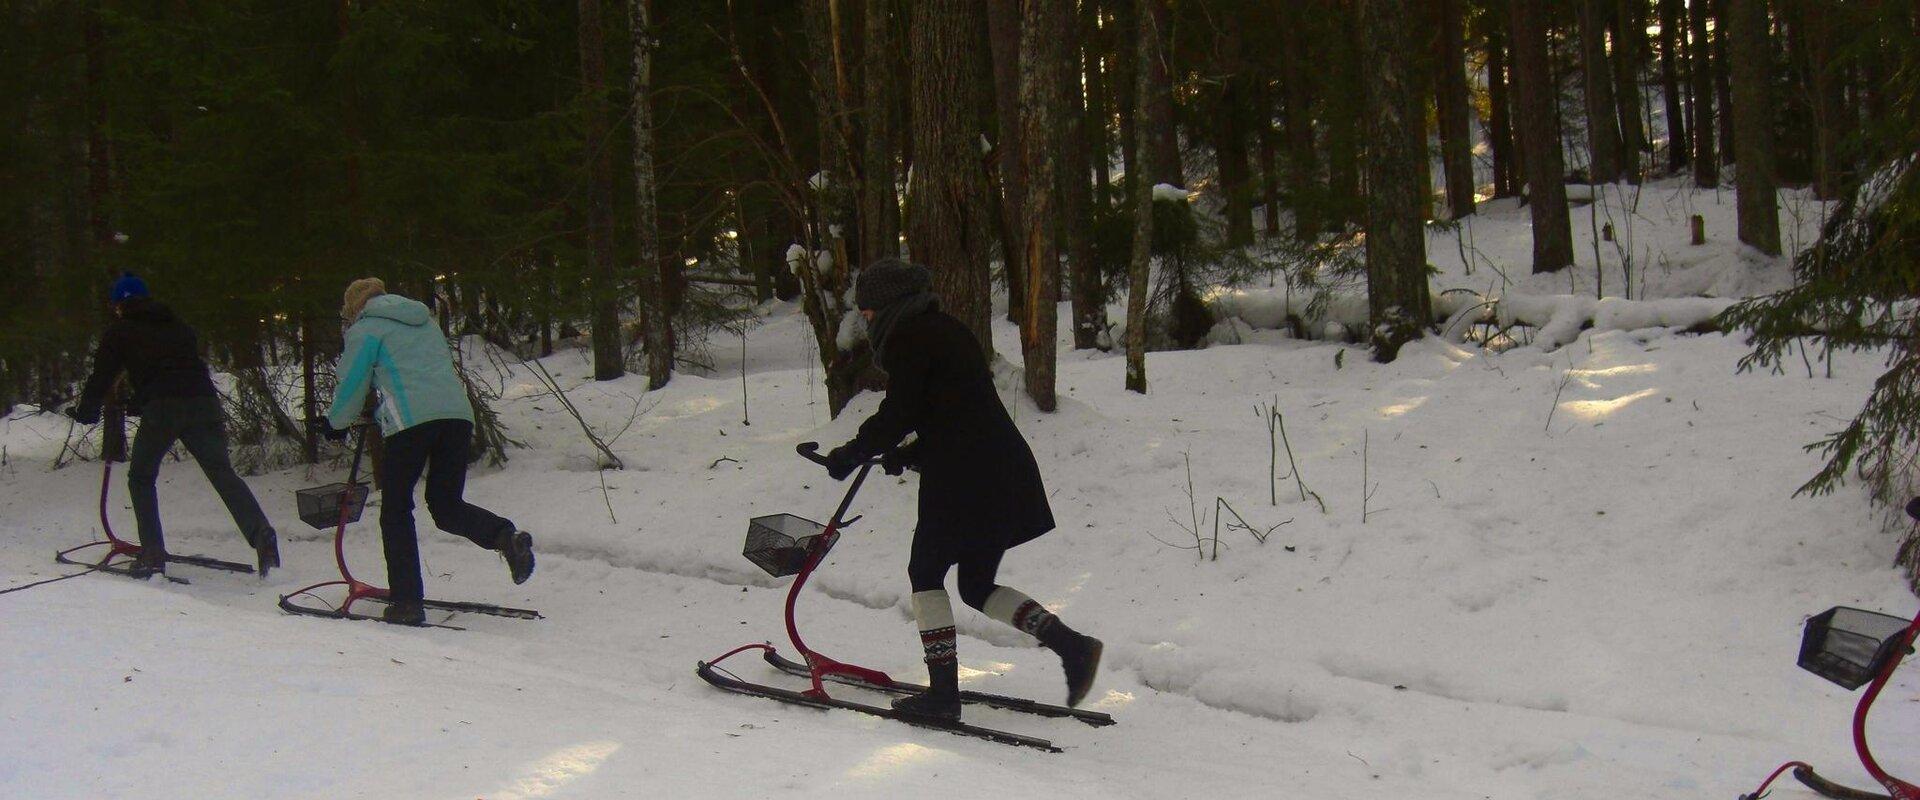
x: 358, y: 293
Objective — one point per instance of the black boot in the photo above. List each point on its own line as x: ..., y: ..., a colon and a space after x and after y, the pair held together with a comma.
x: 1079, y: 657
x: 517, y: 548
x: 148, y: 564
x: 941, y: 700
x: 266, y: 552
x: 404, y: 612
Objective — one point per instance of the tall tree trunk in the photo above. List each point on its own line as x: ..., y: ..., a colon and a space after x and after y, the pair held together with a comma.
x: 879, y: 205
x: 1343, y: 112
x: 1126, y: 100
x: 1506, y: 173
x: 1722, y: 78
x: 1603, y: 125
x: 1146, y: 86
x: 1750, y: 51
x: 1706, y: 165
x: 1450, y: 98
x: 1672, y: 32
x: 1046, y: 41
x: 1540, y: 138
x: 834, y: 187
x: 1076, y: 196
x: 1399, y: 303
x: 1263, y: 95
x: 1163, y: 158
x: 1828, y: 86
x: 603, y: 273
x: 1629, y: 34
x: 1003, y: 38
x: 656, y: 323
x: 1094, y: 48
x: 1303, y: 164
x: 1230, y: 140
x: 947, y: 217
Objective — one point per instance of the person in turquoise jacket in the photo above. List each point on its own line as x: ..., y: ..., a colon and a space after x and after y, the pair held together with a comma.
x: 395, y: 347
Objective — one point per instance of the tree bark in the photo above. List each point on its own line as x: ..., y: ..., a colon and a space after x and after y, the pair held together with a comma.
x: 1540, y: 138
x: 1303, y: 165
x: 1163, y: 158
x: 1722, y: 78
x: 1750, y: 52
x: 608, y: 360
x: 1706, y: 165
x: 1827, y: 83
x: 1506, y: 173
x: 1629, y: 34
x: 1399, y: 304
x: 1046, y: 41
x: 1094, y: 47
x: 879, y: 205
x: 1076, y: 195
x: 1003, y: 38
x: 1230, y: 140
x: 1269, y: 155
x: 1603, y: 124
x: 837, y: 226
x: 656, y: 323
x: 1146, y: 87
x: 947, y: 217
x: 1671, y: 35
x: 1450, y: 99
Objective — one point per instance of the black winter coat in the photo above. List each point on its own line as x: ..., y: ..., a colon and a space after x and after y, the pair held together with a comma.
x: 160, y: 353
x: 980, y: 489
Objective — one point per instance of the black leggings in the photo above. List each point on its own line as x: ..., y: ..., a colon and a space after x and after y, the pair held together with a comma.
x: 439, y: 449
x: 927, y: 569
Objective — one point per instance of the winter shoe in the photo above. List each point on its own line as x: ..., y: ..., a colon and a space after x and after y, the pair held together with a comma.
x: 941, y: 700
x: 266, y: 553
x: 1079, y: 655
x: 1080, y: 660
x: 148, y: 564
x: 404, y: 612
x: 517, y: 548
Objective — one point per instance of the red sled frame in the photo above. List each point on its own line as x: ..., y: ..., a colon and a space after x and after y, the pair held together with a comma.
x: 361, y: 590
x: 117, y: 546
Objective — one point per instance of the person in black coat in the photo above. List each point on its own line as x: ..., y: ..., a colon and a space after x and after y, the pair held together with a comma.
x: 173, y: 394
x: 980, y: 489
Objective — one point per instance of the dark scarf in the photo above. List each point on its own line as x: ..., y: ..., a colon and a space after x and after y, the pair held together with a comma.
x: 886, y: 319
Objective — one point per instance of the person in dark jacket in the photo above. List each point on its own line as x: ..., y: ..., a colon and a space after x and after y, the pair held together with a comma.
x: 980, y: 489
x: 394, y: 345
x: 173, y: 395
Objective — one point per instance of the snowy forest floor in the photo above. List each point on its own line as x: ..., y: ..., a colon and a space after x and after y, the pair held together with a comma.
x: 1579, y: 573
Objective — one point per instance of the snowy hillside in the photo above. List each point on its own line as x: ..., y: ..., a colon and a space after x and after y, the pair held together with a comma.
x: 1565, y: 573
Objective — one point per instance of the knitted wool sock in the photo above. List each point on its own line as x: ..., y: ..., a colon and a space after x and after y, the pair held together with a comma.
x: 933, y: 613
x: 1026, y: 615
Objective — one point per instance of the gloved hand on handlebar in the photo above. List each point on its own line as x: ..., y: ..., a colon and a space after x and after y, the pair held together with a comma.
x: 324, y: 429
x: 900, y: 459
x: 843, y: 460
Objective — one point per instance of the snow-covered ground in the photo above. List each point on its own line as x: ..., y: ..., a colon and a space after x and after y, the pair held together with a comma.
x: 1579, y: 575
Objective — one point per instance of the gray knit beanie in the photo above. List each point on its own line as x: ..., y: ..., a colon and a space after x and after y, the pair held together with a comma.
x: 888, y: 281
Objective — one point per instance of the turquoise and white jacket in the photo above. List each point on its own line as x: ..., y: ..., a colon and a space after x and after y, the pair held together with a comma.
x: 396, y: 347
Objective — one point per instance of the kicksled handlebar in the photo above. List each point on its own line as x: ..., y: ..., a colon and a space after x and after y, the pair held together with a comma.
x: 811, y: 452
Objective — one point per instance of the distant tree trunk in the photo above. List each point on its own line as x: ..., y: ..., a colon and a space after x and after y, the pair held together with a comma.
x: 1146, y: 86
x: 1398, y: 300
x: 1343, y: 114
x: 1506, y: 173
x: 1163, y: 158
x: 1722, y: 78
x: 1706, y: 165
x: 604, y: 275
x: 947, y: 213
x: 1456, y: 135
x: 1540, y: 138
x: 837, y: 227
x: 1750, y: 52
x: 1094, y: 47
x: 1828, y: 85
x: 1672, y: 33
x: 1629, y: 33
x: 1046, y: 42
x: 1603, y: 125
x: 879, y: 206
x: 1087, y: 293
x: 1303, y: 165
x: 1003, y: 38
x: 656, y: 322
x: 1269, y: 156
x: 1126, y: 101
x: 1230, y: 140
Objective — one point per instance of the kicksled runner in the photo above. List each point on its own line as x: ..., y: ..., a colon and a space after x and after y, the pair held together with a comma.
x: 115, y: 449
x: 338, y: 505
x: 783, y: 545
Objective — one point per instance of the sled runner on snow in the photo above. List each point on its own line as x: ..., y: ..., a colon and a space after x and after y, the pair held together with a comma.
x: 784, y: 545
x: 338, y: 505
x: 117, y: 548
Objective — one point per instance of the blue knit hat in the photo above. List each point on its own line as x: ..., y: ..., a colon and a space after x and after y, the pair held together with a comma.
x: 128, y: 287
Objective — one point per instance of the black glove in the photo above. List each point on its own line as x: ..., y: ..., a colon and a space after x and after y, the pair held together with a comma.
x: 900, y: 459
x: 324, y: 429
x: 1913, y: 508
x: 843, y: 460
x: 84, y: 416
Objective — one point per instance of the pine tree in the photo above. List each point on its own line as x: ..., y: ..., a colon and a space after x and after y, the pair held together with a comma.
x: 1750, y: 50
x: 1540, y: 138
x: 947, y: 216
x: 1398, y: 299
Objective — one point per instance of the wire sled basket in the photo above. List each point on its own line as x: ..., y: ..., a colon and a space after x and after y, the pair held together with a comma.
x: 781, y: 543
x: 1849, y: 646
x: 320, y: 505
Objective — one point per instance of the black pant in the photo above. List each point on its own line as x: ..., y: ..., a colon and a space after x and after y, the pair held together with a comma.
x: 928, y: 565
x: 198, y: 423
x: 439, y: 448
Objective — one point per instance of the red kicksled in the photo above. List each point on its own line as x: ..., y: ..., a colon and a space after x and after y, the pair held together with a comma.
x: 117, y: 547
x: 1852, y: 647
x: 338, y: 505
x: 783, y: 545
